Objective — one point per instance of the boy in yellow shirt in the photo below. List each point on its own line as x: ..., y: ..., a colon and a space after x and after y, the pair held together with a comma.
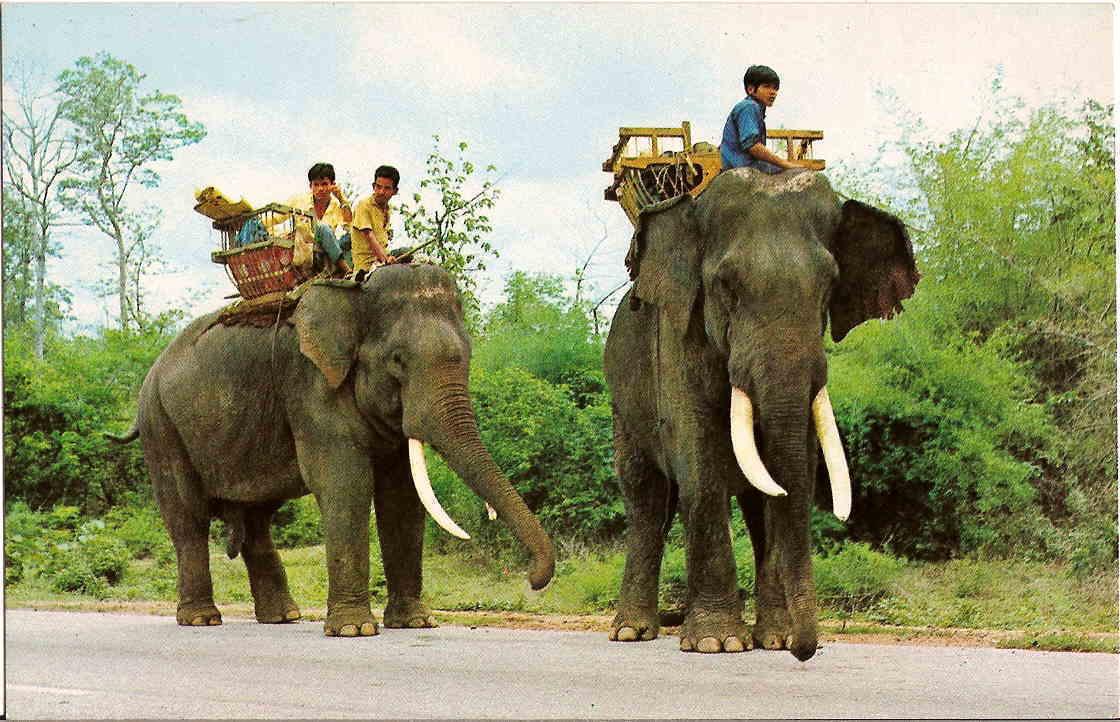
x: 369, y: 231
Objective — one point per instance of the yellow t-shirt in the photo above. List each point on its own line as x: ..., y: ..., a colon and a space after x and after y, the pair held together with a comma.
x: 332, y: 216
x: 368, y: 217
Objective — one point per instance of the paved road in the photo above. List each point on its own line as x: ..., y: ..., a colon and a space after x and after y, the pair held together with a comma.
x: 90, y: 665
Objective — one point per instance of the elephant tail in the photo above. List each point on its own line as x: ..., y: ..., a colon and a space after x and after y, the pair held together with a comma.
x: 132, y: 435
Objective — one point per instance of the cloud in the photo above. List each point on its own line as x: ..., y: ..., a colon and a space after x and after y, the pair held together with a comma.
x: 446, y: 48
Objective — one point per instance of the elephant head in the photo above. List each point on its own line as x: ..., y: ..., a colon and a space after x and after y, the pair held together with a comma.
x: 753, y: 271
x: 395, y: 349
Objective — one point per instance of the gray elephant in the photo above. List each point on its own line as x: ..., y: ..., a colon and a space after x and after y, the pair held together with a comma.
x: 717, y: 368
x: 337, y: 401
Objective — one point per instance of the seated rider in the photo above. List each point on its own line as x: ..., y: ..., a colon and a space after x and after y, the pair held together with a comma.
x: 744, y: 134
x: 331, y: 210
x: 369, y: 231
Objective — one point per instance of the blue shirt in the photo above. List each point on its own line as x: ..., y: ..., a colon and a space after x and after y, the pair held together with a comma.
x: 745, y: 126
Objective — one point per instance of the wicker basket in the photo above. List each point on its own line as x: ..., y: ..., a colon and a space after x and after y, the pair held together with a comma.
x: 265, y: 266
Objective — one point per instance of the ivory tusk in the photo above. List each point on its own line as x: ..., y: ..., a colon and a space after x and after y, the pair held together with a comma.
x: 491, y: 512
x: 424, y: 489
x: 834, y: 461
x: 746, y: 451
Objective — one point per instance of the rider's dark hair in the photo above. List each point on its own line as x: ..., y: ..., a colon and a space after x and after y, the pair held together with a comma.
x: 388, y: 171
x: 320, y: 171
x: 756, y: 75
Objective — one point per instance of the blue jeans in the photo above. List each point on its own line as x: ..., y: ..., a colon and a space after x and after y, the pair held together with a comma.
x: 332, y: 246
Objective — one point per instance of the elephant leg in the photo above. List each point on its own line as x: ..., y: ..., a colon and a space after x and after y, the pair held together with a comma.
x: 772, y: 619
x: 178, y: 492
x: 650, y: 501
x: 342, y: 481
x: 400, y: 529
x: 714, y: 621
x: 273, y: 603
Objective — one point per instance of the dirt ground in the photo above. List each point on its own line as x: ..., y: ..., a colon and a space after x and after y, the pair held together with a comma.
x: 829, y: 631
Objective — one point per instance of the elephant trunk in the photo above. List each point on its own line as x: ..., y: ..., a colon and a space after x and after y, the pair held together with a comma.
x: 787, y: 429
x: 446, y: 420
x: 824, y: 421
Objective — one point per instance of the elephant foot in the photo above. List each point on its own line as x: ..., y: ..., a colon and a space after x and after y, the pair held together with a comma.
x: 712, y: 632
x: 772, y: 628
x: 408, y: 614
x: 279, y: 611
x: 634, y: 625
x: 198, y: 615
x: 802, y: 643
x: 350, y: 622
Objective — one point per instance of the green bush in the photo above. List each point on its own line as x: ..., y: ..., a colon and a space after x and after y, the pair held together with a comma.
x: 142, y: 531
x: 56, y: 410
x: 854, y: 578
x: 298, y: 523
x: 944, y: 443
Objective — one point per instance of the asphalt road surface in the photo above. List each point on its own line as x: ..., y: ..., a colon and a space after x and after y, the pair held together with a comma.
x: 90, y: 665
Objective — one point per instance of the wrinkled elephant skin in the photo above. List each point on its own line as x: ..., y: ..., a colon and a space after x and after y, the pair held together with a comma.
x: 732, y: 294
x: 236, y: 420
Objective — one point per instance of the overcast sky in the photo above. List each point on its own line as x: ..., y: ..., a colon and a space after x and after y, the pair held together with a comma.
x: 537, y: 89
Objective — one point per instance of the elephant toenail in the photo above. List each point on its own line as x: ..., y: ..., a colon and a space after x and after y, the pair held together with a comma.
x: 349, y: 631
x: 686, y: 644
x: 369, y: 629
x: 733, y: 644
x: 627, y: 634
x: 709, y: 645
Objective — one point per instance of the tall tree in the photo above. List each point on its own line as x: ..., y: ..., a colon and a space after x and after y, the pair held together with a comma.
x: 37, y: 154
x: 449, y: 213
x: 120, y: 132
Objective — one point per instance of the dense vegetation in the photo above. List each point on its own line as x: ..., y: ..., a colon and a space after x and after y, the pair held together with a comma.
x: 980, y: 424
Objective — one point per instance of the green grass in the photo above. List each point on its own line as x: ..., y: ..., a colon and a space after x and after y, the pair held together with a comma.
x: 1037, y: 606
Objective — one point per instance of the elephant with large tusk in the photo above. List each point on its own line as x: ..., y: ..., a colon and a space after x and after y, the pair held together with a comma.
x: 337, y: 401
x: 717, y: 369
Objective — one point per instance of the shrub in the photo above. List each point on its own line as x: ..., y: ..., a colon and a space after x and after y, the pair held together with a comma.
x: 298, y: 523
x: 943, y: 441
x: 142, y: 531
x: 855, y: 577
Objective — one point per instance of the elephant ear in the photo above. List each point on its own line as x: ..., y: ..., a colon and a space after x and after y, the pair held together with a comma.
x: 664, y: 259
x: 326, y: 321
x: 877, y: 270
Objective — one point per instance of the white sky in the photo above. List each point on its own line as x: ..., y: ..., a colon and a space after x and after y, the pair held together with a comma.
x: 537, y: 89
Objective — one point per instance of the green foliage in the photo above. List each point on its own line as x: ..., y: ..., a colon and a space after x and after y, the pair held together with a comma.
x: 72, y: 554
x: 943, y: 442
x: 540, y: 330
x: 855, y: 577
x: 142, y: 531
x: 298, y: 523
x: 450, y: 213
x: 984, y: 420
x: 56, y: 411
x: 119, y: 132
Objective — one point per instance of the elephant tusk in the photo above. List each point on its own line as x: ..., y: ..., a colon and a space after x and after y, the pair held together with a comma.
x: 491, y: 512
x: 424, y: 489
x: 746, y: 451
x: 834, y: 460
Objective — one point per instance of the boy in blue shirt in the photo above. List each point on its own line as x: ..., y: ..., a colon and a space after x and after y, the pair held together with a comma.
x: 744, y: 134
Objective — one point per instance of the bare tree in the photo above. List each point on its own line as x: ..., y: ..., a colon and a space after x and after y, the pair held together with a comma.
x: 37, y: 155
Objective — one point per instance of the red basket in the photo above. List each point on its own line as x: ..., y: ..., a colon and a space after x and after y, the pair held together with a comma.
x: 264, y: 267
